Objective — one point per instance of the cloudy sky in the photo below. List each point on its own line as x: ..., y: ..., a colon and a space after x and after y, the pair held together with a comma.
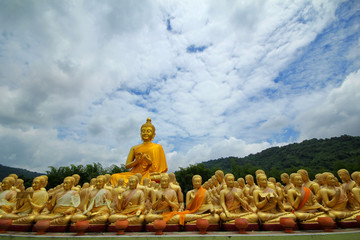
x: 217, y: 78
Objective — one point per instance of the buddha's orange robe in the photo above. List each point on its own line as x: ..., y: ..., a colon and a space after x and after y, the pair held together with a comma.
x: 159, y: 164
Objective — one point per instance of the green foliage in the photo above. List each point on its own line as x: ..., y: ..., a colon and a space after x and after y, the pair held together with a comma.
x: 87, y: 172
x: 315, y: 155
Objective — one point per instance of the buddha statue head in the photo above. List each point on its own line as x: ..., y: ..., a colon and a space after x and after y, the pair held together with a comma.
x: 241, y: 182
x: 259, y: 171
x: 68, y: 183
x: 331, y: 180
x: 296, y: 179
x: 100, y: 182
x: 249, y: 179
x: 285, y: 178
x: 261, y: 180
x: 229, y: 180
x: 196, y: 181
x: 120, y: 182
x: 219, y: 176
x: 133, y: 182
x: 147, y: 131
x: 146, y: 182
x: 7, y: 183
x: 77, y: 178
x: 304, y: 174
x: 356, y: 177
x: 344, y: 175
x: 164, y: 180
x: 38, y: 183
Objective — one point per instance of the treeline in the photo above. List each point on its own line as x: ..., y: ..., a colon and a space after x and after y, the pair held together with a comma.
x: 315, y: 155
x: 86, y: 172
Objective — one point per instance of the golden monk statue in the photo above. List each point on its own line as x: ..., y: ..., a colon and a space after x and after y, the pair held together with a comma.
x: 131, y: 204
x: 347, y: 185
x: 7, y: 196
x: 62, y: 206
x: 198, y: 205
x: 97, y: 204
x: 147, y: 158
x: 356, y: 189
x: 173, y: 184
x: 233, y: 203
x: 336, y: 200
x: 164, y: 203
x: 35, y: 200
x: 302, y: 199
x: 270, y: 208
x: 249, y: 190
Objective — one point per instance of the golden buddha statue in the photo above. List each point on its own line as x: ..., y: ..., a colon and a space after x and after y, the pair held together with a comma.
x: 175, y: 185
x: 62, y: 206
x: 19, y: 185
x: 270, y: 208
x: 249, y: 190
x: 7, y: 196
x: 336, y: 200
x: 147, y: 158
x: 313, y: 186
x: 198, y: 205
x: 165, y: 204
x: 233, y: 203
x: 35, y: 200
x: 356, y: 189
x: 288, y: 185
x: 347, y: 185
x: 220, y: 177
x: 131, y: 204
x: 97, y: 204
x: 302, y: 199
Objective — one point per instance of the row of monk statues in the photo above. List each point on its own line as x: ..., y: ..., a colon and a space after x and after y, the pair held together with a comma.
x: 221, y: 198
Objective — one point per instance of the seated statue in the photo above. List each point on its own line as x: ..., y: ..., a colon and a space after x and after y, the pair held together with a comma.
x: 198, y: 205
x: 131, y: 204
x: 34, y: 201
x: 356, y: 189
x: 270, y: 208
x: 7, y: 196
x: 233, y: 203
x: 147, y: 158
x: 175, y: 185
x: 62, y: 206
x: 249, y: 191
x: 302, y: 199
x: 336, y: 200
x: 98, y: 204
x: 165, y: 204
x: 347, y: 185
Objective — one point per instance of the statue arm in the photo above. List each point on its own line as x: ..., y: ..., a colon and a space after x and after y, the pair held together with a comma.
x: 189, y: 197
x: 222, y: 202
x: 356, y: 193
x: 259, y: 204
x: 326, y: 200
x: 294, y: 198
x: 130, y: 162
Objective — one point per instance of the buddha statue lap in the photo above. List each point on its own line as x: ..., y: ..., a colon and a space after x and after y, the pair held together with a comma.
x: 302, y: 199
x: 234, y: 204
x: 131, y: 204
x: 270, y: 208
x: 62, y: 206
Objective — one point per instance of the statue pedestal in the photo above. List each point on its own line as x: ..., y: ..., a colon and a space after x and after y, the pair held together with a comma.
x: 91, y: 228
x: 193, y: 228
x: 275, y: 227
x: 20, y: 227
x: 310, y: 226
x: 168, y: 228
x: 130, y: 228
x: 61, y: 228
x: 349, y: 224
x: 250, y: 227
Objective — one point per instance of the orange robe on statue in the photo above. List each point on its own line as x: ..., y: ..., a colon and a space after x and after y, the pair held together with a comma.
x: 156, y: 152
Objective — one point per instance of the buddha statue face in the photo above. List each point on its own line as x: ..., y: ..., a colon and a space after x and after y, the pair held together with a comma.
x: 133, y: 181
x: 229, y: 180
x: 36, y: 185
x: 297, y: 180
x: 147, y: 134
x: 164, y: 181
x: 6, y: 184
x: 100, y: 182
x: 249, y: 179
x: 68, y: 183
x: 262, y: 180
x: 284, y: 178
x: 331, y: 180
x: 197, y: 181
x: 120, y: 182
x: 344, y: 175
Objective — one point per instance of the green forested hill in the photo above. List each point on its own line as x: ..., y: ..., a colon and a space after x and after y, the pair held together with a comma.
x: 315, y: 155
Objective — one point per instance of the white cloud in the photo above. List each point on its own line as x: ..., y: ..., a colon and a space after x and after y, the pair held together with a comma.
x: 78, y: 78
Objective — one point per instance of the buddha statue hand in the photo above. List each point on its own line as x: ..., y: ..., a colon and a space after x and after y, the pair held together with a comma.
x: 138, y: 213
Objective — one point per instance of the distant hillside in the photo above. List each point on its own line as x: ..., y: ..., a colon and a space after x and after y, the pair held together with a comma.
x: 5, y: 171
x: 315, y: 155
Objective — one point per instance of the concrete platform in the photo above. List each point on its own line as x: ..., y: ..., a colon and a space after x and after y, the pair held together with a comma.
x: 348, y: 234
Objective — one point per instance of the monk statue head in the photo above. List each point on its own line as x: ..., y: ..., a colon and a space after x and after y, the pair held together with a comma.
x: 100, y: 182
x: 196, y: 180
x: 344, y: 175
x: 164, y: 180
x: 304, y: 174
x: 261, y: 180
x: 285, y: 178
x: 356, y: 176
x: 219, y: 175
x: 296, y: 179
x: 229, y: 180
x: 68, y: 183
x: 147, y: 131
x: 133, y: 182
x: 7, y: 183
x: 249, y: 179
